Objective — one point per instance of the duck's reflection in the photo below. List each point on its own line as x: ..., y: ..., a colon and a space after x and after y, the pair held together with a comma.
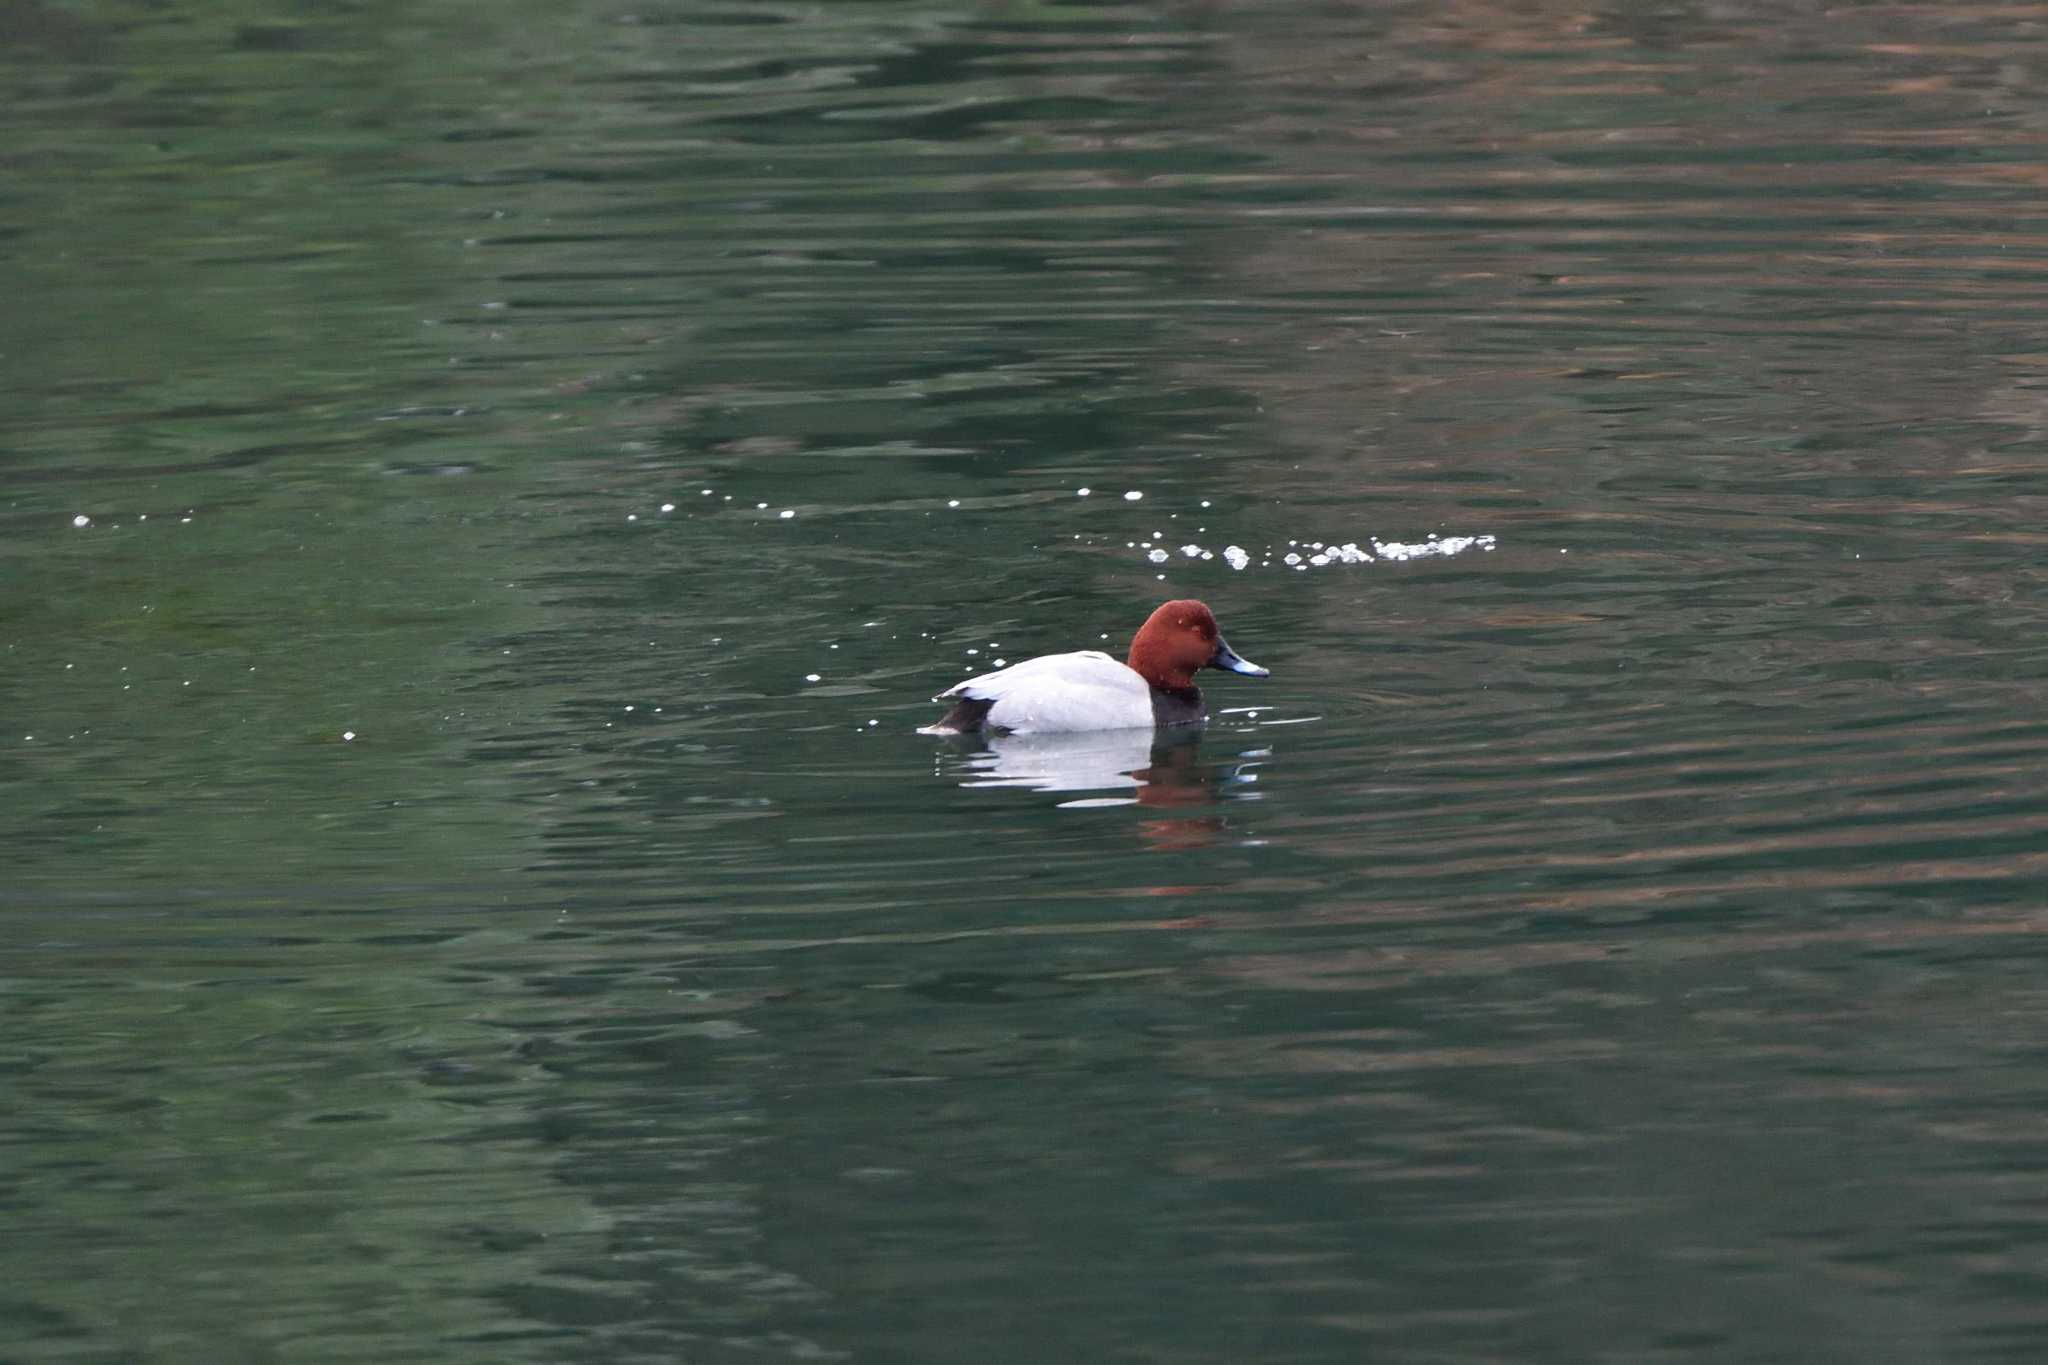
x: 1156, y: 768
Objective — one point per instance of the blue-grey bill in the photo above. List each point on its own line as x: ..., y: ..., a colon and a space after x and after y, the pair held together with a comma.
x: 1227, y: 659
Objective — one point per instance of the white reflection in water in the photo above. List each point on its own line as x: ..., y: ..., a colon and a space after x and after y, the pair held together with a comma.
x: 1094, y: 760
x: 1162, y: 772
x: 1145, y: 767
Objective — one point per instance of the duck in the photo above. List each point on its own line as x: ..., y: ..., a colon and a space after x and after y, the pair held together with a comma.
x: 1088, y: 690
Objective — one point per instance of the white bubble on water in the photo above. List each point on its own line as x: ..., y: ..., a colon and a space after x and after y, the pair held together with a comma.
x: 348, y: 736
x: 1291, y: 557
x: 786, y: 513
x: 1192, y: 551
x: 1235, y: 557
x: 812, y: 677
x: 668, y: 507
x: 1082, y: 492
x: 1133, y: 496
x: 81, y: 521
x: 1157, y: 556
x: 1436, y: 545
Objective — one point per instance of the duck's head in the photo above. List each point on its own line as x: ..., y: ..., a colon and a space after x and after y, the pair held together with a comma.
x: 1177, y: 641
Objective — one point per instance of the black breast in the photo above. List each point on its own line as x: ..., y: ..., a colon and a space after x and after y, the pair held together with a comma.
x: 1177, y: 706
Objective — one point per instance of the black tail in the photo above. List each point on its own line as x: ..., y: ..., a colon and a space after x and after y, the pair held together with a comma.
x: 968, y: 715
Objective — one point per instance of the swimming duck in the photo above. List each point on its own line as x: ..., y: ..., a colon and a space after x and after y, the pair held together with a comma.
x: 1088, y: 690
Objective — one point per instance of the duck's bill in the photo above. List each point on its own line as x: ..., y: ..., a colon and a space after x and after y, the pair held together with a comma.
x: 1228, y: 660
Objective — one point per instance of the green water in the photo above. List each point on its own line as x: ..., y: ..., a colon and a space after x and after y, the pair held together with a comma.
x: 487, y: 490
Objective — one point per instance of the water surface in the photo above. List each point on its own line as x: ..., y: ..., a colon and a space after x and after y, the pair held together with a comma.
x: 486, y: 495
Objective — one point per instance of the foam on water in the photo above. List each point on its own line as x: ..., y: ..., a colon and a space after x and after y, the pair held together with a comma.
x: 1435, y: 545
x: 1300, y: 556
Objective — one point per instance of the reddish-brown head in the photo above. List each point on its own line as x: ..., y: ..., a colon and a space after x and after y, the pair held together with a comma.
x: 1178, y: 639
